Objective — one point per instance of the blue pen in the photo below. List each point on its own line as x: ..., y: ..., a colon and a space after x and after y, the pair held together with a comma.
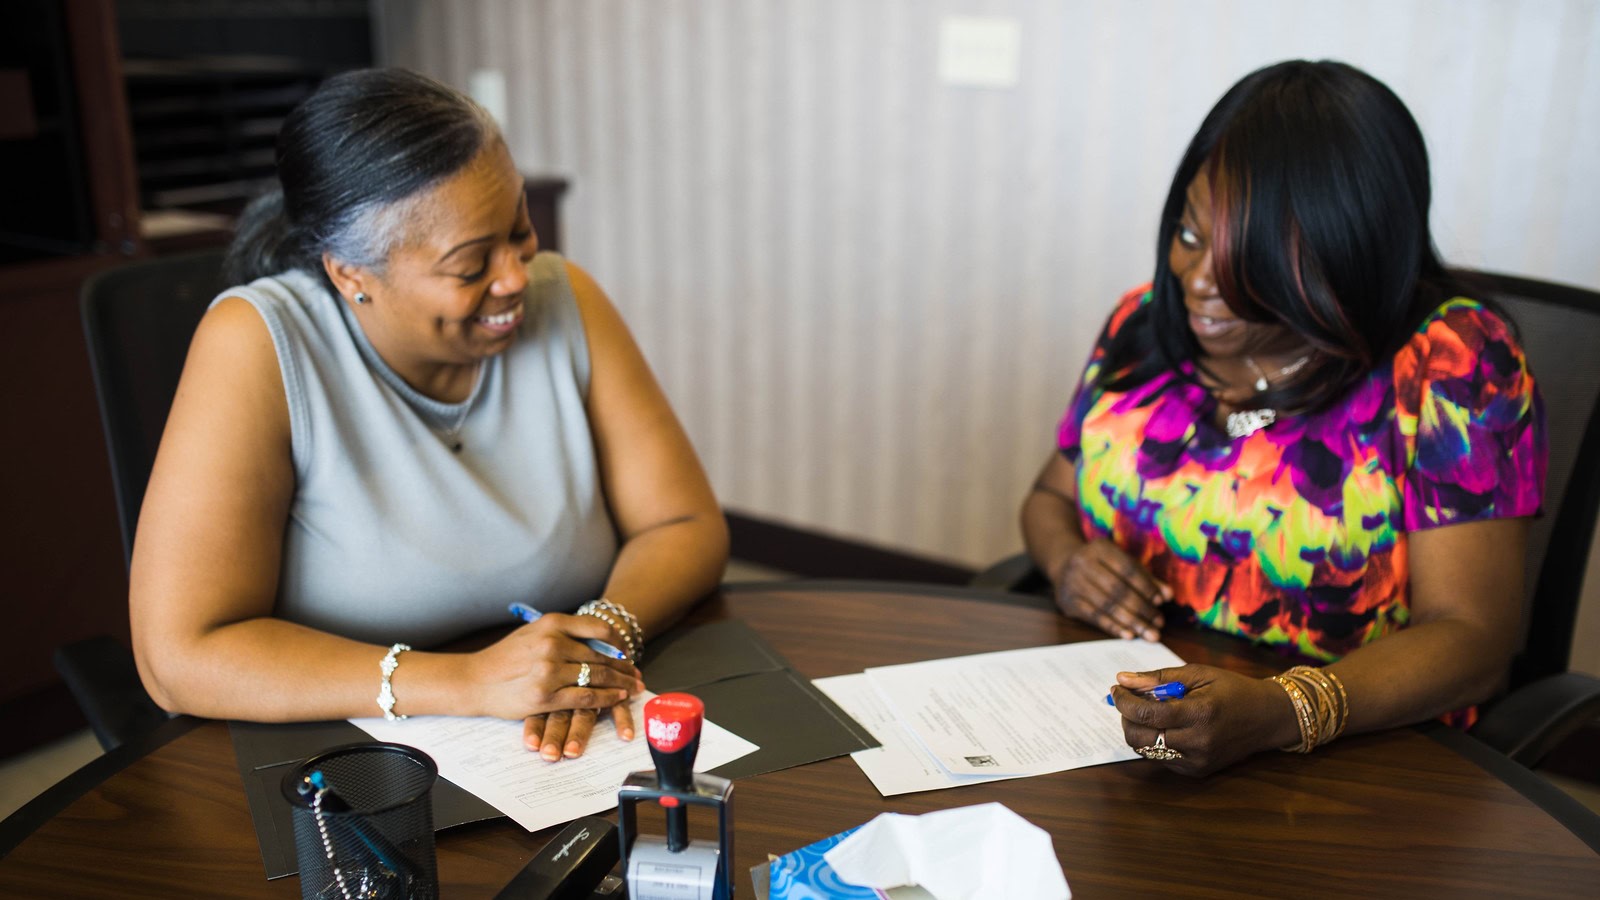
x: 1172, y: 690
x: 528, y: 614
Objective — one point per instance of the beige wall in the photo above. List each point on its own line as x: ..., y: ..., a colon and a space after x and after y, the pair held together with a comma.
x: 869, y: 294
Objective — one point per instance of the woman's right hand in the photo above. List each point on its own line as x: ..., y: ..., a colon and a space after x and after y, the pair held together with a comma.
x: 1104, y: 586
x: 534, y: 670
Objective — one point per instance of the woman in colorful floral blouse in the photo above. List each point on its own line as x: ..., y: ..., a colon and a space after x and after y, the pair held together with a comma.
x: 1305, y: 432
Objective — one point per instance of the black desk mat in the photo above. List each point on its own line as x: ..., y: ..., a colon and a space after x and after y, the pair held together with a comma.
x: 752, y: 691
x: 747, y: 687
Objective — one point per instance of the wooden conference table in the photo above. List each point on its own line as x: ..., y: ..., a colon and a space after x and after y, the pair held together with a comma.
x: 1411, y: 812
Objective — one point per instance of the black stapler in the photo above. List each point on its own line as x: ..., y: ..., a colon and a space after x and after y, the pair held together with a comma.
x: 575, y: 865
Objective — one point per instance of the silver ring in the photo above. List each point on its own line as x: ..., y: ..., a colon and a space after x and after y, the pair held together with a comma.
x: 583, y: 675
x: 1159, y: 750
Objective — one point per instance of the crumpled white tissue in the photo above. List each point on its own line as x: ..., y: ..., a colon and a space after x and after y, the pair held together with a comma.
x: 968, y: 853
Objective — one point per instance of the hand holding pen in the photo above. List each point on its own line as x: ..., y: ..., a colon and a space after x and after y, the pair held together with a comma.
x: 1196, y: 719
x: 574, y: 675
x: 528, y: 614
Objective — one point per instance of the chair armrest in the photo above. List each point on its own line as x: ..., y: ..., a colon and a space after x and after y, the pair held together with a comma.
x: 102, y: 676
x: 1534, y: 719
x: 1014, y: 573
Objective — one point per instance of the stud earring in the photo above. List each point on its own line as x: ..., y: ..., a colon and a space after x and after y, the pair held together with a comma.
x: 359, y: 297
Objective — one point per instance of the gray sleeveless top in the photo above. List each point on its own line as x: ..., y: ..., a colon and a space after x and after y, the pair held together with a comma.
x: 392, y: 536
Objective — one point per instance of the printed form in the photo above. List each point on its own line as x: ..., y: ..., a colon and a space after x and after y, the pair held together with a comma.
x: 989, y: 716
x: 902, y: 765
x: 486, y: 756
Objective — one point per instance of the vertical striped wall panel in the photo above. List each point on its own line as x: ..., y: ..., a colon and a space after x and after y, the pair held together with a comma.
x: 869, y: 294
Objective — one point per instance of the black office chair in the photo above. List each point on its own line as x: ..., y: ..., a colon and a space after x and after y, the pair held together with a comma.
x: 137, y: 320
x: 1560, y: 329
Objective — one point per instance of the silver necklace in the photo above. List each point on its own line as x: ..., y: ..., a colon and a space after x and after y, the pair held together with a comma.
x: 452, y: 433
x: 1246, y: 422
x: 1261, y: 377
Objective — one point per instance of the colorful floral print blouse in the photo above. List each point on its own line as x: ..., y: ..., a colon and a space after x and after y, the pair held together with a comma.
x: 1295, y: 536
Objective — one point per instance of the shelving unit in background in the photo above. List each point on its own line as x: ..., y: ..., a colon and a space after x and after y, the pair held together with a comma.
x: 203, y: 129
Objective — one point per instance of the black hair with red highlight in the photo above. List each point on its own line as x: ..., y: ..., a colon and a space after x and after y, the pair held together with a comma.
x: 1320, y: 190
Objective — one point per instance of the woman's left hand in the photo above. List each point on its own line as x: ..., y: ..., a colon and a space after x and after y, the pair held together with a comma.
x: 1222, y: 718
x: 566, y: 733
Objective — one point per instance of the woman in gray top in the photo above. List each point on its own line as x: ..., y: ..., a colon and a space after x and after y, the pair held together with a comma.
x: 402, y: 420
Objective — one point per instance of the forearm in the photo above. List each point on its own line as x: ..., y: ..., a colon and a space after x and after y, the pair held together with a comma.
x: 270, y: 670
x: 660, y: 572
x: 1410, y: 676
x: 1421, y: 672
x: 1466, y: 587
x: 1050, y: 529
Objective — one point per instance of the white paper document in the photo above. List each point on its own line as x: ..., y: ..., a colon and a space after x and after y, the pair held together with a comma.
x: 1018, y: 712
x: 902, y: 765
x: 486, y: 756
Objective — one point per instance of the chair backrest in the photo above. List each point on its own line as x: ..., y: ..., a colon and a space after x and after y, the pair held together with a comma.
x: 138, y: 320
x: 1560, y: 330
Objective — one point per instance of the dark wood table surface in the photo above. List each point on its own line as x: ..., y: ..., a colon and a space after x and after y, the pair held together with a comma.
x: 1410, y: 812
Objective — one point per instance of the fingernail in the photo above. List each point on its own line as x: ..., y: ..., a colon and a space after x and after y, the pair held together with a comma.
x: 573, y: 749
x: 627, y: 734
x: 550, y: 752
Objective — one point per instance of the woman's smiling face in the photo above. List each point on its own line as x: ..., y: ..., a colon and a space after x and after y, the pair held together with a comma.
x: 452, y: 293
x: 1218, y: 330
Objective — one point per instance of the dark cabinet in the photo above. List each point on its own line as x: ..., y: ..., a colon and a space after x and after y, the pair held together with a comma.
x: 70, y: 209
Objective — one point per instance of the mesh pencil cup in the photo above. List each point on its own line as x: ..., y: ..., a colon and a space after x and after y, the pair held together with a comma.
x: 363, y: 823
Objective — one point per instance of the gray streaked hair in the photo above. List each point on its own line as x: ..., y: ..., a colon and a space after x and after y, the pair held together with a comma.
x: 354, y: 160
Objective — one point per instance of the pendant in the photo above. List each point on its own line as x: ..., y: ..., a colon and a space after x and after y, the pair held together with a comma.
x: 1246, y: 422
x: 1261, y: 384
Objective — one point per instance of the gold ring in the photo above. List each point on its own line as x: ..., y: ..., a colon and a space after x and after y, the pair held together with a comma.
x: 1159, y: 750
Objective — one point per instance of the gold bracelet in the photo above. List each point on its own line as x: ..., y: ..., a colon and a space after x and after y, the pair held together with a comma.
x: 1303, y: 715
x: 1332, y: 703
x: 1321, y: 709
x: 1297, y: 701
x: 1318, y: 696
x: 1327, y: 706
x: 1344, y: 700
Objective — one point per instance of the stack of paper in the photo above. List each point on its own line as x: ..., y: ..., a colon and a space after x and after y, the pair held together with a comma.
x: 992, y: 716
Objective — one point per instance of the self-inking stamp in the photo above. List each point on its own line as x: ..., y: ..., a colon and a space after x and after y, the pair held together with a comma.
x: 675, y: 867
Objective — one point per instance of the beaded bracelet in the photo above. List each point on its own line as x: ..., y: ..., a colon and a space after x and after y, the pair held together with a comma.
x: 619, y: 609
x: 391, y: 661
x: 632, y: 635
x: 616, y: 626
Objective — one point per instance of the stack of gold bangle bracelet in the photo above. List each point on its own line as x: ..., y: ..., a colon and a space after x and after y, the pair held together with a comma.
x: 1321, y: 707
x: 621, y: 621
